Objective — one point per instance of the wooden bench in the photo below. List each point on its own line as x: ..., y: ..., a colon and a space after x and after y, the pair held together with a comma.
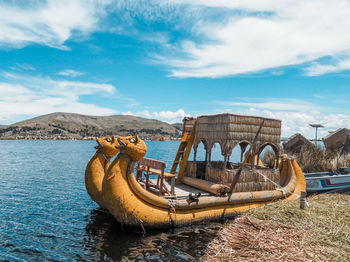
x: 147, y: 167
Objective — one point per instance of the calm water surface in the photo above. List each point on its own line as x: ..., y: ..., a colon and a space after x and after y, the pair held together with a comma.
x: 47, y: 215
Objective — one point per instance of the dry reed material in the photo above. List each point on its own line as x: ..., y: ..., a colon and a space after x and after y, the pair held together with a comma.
x: 315, y: 159
x: 269, y: 158
x: 344, y: 160
x: 216, y: 189
x: 229, y: 130
x: 294, y: 144
x: 251, y: 179
x: 250, y: 239
x: 281, y: 231
x: 191, y: 169
x: 325, y: 222
x: 336, y: 140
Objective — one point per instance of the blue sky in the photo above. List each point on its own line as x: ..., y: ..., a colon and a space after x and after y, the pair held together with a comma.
x: 168, y: 59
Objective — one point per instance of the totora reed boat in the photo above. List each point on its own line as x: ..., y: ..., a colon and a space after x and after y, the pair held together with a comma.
x: 138, y: 192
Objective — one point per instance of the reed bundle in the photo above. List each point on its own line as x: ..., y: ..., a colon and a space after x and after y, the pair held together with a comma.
x: 216, y: 189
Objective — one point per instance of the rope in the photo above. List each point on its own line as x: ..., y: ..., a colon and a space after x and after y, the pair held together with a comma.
x: 172, y: 209
x: 277, y: 186
x: 172, y: 205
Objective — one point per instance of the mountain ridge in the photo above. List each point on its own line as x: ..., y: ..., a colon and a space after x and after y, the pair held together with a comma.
x: 78, y: 126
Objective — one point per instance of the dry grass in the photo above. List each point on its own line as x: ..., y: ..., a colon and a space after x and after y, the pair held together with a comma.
x: 344, y: 160
x: 312, y: 159
x: 315, y: 159
x: 281, y: 231
x: 250, y: 239
x: 269, y: 158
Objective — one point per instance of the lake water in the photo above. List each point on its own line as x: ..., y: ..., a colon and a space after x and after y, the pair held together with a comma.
x: 47, y: 215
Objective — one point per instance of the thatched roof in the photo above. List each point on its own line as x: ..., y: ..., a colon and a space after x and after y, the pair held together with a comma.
x: 230, y: 130
x: 336, y: 140
x: 294, y: 144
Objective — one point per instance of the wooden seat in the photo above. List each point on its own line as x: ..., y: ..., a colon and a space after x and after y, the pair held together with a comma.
x: 147, y: 167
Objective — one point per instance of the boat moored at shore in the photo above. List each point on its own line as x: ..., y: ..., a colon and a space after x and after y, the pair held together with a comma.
x: 328, y: 181
x: 138, y: 192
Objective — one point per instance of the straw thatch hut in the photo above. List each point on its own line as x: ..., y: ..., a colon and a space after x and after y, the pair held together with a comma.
x: 294, y: 144
x: 229, y: 131
x: 336, y: 140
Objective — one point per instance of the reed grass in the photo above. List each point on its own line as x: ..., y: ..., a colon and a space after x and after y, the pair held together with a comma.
x: 269, y: 158
x: 313, y: 159
x: 281, y: 231
x: 316, y: 159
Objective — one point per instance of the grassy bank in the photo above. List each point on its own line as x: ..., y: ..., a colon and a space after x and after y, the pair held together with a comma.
x: 313, y: 159
x: 281, y: 231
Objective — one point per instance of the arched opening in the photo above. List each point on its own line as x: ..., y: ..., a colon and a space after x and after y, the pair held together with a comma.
x: 268, y: 154
x: 216, y: 159
x: 216, y: 153
x: 244, y: 151
x: 199, y: 153
x: 196, y: 167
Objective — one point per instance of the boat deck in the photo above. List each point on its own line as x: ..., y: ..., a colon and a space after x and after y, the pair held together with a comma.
x: 181, y: 190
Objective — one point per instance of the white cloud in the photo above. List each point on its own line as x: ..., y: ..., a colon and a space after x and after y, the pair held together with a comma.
x: 317, y: 69
x: 202, y: 38
x: 282, y: 104
x: 261, y: 34
x: 70, y: 73
x: 22, y: 67
x: 31, y: 96
x: 47, y: 22
x: 298, y: 122
x: 166, y: 116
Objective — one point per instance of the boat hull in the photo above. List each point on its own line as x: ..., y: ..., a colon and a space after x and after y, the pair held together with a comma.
x: 326, y: 183
x: 132, y: 205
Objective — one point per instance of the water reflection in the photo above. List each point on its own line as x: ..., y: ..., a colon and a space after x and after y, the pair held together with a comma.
x: 108, y: 242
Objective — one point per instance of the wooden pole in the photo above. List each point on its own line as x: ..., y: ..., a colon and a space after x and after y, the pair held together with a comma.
x: 225, y: 162
x: 302, y: 199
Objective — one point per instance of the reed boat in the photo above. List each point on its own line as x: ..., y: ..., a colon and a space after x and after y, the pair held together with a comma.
x: 138, y: 192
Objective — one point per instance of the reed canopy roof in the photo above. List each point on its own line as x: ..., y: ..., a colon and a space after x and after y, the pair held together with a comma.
x: 230, y: 130
x: 294, y: 144
x: 337, y: 139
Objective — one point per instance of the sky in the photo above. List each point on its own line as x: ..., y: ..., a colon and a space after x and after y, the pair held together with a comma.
x: 169, y: 59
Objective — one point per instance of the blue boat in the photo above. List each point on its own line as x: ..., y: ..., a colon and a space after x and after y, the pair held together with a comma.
x: 328, y: 181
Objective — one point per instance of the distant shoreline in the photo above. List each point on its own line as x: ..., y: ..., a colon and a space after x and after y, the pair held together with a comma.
x: 78, y: 139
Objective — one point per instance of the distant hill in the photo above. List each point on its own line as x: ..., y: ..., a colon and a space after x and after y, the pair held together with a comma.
x: 81, y: 126
x: 178, y: 126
